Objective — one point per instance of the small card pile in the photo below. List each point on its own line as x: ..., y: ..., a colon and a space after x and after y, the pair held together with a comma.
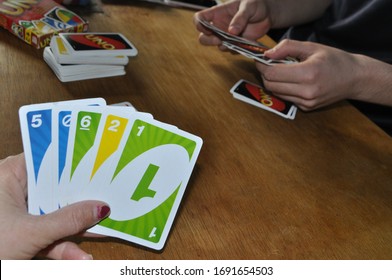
x: 81, y: 56
x: 258, y: 96
x: 250, y: 49
x: 85, y: 150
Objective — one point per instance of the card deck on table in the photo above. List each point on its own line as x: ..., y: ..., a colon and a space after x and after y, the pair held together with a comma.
x: 64, y: 56
x: 74, y: 72
x: 83, y: 149
x: 81, y: 56
x: 250, y: 49
x: 258, y: 96
x: 92, y: 44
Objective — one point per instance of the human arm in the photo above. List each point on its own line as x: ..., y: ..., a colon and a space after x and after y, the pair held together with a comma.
x: 326, y: 75
x: 253, y: 18
x: 23, y: 236
x: 286, y: 13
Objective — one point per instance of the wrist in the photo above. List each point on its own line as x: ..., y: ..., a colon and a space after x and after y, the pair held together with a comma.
x: 372, y: 81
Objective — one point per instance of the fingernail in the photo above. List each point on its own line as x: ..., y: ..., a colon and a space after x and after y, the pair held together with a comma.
x: 272, y: 50
x: 103, y: 212
x: 87, y: 257
x: 233, y: 29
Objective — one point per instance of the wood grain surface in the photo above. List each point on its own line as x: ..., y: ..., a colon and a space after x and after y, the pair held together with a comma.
x: 317, y: 187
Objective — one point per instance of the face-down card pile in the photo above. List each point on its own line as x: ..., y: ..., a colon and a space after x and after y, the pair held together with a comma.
x: 80, y: 56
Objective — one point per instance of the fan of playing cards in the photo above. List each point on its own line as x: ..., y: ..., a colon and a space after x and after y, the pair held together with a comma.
x: 81, y: 56
x: 254, y: 50
x: 82, y: 150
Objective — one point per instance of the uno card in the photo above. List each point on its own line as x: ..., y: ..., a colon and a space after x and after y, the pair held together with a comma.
x: 26, y: 24
x: 58, y: 25
x: 65, y: 16
x: 43, y: 27
x: 85, y: 155
x: 73, y: 69
x: 250, y: 49
x: 94, y: 44
x: 148, y: 182
x: 36, y: 129
x: 125, y: 103
x: 136, y: 164
x: 39, y: 147
x: 64, y: 56
x: 256, y: 53
x: 139, y: 166
x: 258, y: 96
x: 61, y: 124
x: 73, y: 72
x: 192, y: 4
x: 76, y: 56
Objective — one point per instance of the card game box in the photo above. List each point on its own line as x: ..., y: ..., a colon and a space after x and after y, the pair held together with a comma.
x: 35, y: 21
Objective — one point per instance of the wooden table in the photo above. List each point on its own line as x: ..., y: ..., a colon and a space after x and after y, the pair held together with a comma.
x: 317, y: 187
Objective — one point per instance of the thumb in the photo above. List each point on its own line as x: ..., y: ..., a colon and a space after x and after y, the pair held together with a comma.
x: 72, y: 219
x: 292, y: 48
x: 239, y: 20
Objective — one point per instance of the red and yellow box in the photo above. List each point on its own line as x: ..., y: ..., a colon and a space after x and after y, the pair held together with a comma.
x: 36, y: 21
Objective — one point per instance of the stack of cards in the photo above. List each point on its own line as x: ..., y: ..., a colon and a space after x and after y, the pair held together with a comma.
x: 258, y: 96
x: 192, y: 4
x: 83, y: 149
x: 80, y: 56
x: 250, y: 49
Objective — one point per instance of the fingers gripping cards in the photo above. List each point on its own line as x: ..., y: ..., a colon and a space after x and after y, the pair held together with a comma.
x: 250, y: 49
x: 246, y: 91
x: 80, y: 150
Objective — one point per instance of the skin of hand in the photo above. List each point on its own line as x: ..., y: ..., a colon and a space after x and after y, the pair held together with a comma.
x: 24, y: 236
x: 252, y: 19
x: 245, y: 18
x: 325, y: 75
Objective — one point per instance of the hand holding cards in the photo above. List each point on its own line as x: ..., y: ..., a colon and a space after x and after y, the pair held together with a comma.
x: 80, y: 56
x: 83, y: 149
x: 250, y: 49
x: 245, y: 91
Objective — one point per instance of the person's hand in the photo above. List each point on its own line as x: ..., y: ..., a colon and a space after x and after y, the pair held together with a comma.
x: 323, y: 76
x: 24, y: 236
x: 247, y: 18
